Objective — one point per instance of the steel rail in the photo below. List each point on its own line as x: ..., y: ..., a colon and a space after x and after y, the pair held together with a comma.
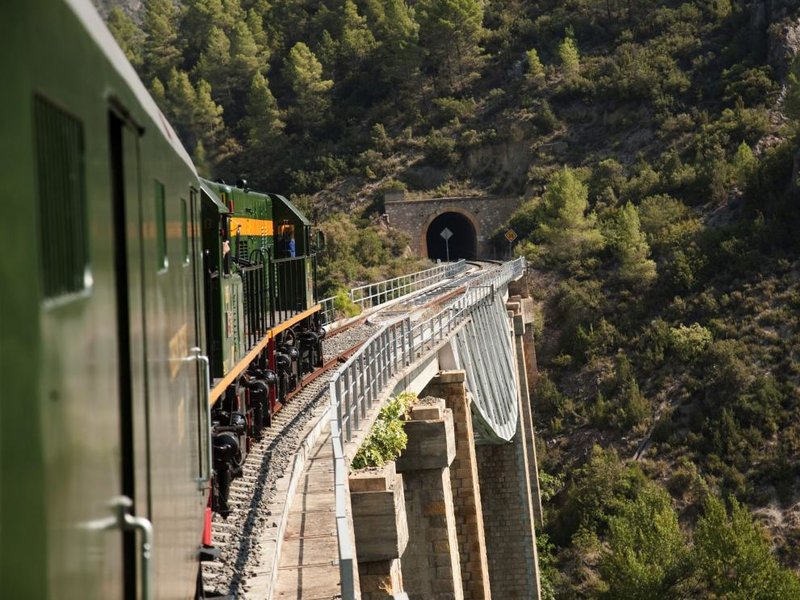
x: 375, y: 294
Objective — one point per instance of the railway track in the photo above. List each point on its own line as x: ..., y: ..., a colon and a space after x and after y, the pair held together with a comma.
x: 252, y: 494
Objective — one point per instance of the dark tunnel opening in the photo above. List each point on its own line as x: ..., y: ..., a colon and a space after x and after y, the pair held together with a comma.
x: 462, y: 244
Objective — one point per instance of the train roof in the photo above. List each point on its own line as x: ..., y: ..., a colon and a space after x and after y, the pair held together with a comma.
x: 292, y: 208
x: 205, y: 185
x: 96, y: 28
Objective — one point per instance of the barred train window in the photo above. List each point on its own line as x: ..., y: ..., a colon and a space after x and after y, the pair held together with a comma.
x: 60, y: 164
x: 161, y: 227
x: 185, y: 231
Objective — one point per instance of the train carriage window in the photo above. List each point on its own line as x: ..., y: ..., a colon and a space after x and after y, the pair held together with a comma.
x: 161, y: 227
x: 185, y: 231
x: 63, y: 243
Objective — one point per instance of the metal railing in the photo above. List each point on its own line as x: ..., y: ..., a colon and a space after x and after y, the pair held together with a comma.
x: 358, y: 383
x: 257, y: 318
x: 288, y: 292
x: 375, y: 294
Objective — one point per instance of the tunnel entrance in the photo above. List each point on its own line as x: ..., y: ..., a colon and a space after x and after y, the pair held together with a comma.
x: 463, y: 243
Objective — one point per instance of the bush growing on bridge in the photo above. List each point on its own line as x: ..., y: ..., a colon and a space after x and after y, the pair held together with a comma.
x: 387, y: 439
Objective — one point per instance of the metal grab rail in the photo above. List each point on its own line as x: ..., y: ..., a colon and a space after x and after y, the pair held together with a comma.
x: 375, y: 294
x: 257, y: 318
x: 288, y: 289
x: 358, y: 383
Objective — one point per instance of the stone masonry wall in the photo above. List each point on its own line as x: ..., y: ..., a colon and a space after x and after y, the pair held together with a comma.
x: 464, y: 483
x: 430, y: 563
x: 414, y: 216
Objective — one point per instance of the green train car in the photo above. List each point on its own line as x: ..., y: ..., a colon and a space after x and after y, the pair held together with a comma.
x: 266, y: 244
x: 122, y: 272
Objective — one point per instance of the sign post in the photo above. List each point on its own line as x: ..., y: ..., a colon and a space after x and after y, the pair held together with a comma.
x: 447, y: 234
x: 511, y: 235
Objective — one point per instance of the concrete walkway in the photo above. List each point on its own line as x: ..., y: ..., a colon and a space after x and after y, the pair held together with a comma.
x: 309, y: 568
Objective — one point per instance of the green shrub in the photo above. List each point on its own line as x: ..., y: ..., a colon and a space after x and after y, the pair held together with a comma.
x: 387, y: 438
x: 690, y: 343
x: 344, y: 306
x: 450, y: 109
x: 440, y: 150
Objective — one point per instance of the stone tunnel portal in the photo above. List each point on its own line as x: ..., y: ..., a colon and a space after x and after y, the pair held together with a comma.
x: 463, y: 243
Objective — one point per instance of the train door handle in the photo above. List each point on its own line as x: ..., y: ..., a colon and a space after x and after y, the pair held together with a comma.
x: 204, y: 398
x: 124, y: 521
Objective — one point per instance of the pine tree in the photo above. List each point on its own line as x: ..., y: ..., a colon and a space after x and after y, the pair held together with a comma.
x: 733, y: 559
x: 181, y: 96
x: 646, y: 548
x: 304, y: 74
x: 263, y: 122
x: 255, y: 22
x: 744, y: 164
x: 398, y: 55
x: 246, y: 60
x: 159, y: 93
x: 215, y: 65
x: 567, y: 231
x: 128, y: 35
x: 450, y: 32
x: 793, y: 90
x: 199, y: 19
x: 626, y: 240
x: 356, y: 40
x: 207, y: 120
x: 569, y: 56
x: 162, y: 52
x: 535, y: 67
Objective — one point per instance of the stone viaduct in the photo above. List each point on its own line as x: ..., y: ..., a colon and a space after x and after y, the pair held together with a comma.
x: 453, y: 518
x: 471, y: 220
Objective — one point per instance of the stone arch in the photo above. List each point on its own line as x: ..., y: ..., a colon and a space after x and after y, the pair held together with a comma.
x: 464, y: 224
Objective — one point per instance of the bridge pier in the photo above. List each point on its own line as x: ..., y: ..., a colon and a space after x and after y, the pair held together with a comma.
x: 450, y: 385
x: 431, y: 569
x: 381, y: 531
x: 522, y: 309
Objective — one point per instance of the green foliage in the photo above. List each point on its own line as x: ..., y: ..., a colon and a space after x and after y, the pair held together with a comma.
x: 356, y: 41
x: 440, y: 149
x: 793, y: 90
x: 454, y: 110
x: 344, y: 305
x: 744, y: 164
x: 626, y: 241
x: 732, y: 557
x: 690, y: 343
x: 450, y: 33
x: 566, y: 231
x: 646, y: 548
x: 357, y: 252
x: 628, y: 407
x: 597, y: 492
x: 128, y: 35
x: 569, y: 56
x: 304, y: 73
x: 535, y: 67
x: 264, y: 120
x: 387, y: 438
x: 162, y: 52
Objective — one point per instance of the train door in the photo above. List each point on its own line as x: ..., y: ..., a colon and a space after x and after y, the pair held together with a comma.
x: 134, y: 429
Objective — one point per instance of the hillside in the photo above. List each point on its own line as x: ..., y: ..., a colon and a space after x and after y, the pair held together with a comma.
x: 654, y: 148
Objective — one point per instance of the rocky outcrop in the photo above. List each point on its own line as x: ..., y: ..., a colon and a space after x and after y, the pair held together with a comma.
x: 783, y: 45
x: 775, y: 26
